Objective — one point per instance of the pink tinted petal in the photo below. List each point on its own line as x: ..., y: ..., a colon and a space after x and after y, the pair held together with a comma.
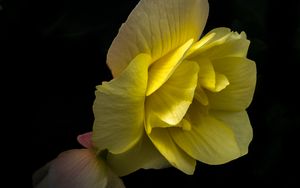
x: 77, y: 168
x: 85, y: 139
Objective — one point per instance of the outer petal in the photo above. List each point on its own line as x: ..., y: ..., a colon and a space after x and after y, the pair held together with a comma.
x: 220, y: 42
x: 239, y: 123
x: 79, y: 169
x: 163, y: 141
x: 142, y: 155
x: 209, y: 140
x: 156, y: 28
x: 171, y: 101
x: 237, y: 96
x: 119, y: 108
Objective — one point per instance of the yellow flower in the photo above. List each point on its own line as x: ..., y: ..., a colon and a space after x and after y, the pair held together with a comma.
x: 174, y: 99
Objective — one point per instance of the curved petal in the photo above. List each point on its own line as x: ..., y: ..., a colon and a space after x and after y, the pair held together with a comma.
x: 162, y: 69
x: 119, y: 108
x: 221, y: 82
x: 200, y: 95
x: 219, y: 43
x: 77, y: 168
x: 209, y: 78
x: 156, y: 28
x: 85, y: 140
x: 209, y: 141
x: 113, y: 180
x: 142, y: 155
x: 40, y: 177
x: 237, y: 96
x: 172, y: 100
x: 163, y: 141
x: 239, y: 123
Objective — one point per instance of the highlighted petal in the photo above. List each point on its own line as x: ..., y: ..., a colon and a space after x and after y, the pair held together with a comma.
x: 239, y: 123
x: 119, y: 108
x: 207, y: 75
x: 237, y: 96
x: 171, y: 101
x: 221, y: 82
x: 219, y: 43
x: 209, y: 78
x: 156, y: 28
x: 162, y: 69
x: 142, y: 155
x: 209, y: 141
x: 163, y: 141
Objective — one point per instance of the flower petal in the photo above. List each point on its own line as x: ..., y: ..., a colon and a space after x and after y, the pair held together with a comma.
x: 80, y: 168
x: 209, y: 78
x: 77, y: 169
x: 142, y: 155
x: 119, y: 108
x: 207, y: 75
x: 209, y: 141
x: 113, y: 180
x: 239, y: 123
x: 156, y: 28
x: 163, y: 141
x: 162, y: 69
x: 172, y: 100
x: 237, y: 96
x: 220, y: 42
x: 85, y: 140
x: 200, y: 95
x: 40, y: 177
x: 221, y: 82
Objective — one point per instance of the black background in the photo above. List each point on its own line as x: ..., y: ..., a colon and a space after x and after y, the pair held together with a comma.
x: 54, y: 55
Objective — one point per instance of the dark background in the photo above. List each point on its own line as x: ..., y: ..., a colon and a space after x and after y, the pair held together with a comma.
x: 55, y: 51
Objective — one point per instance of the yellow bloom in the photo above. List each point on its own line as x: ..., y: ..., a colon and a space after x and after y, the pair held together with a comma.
x: 174, y: 98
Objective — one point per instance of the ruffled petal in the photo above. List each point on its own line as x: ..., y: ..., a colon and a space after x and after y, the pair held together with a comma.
x: 119, y: 108
x: 220, y: 43
x: 163, y: 141
x: 162, y: 69
x: 209, y: 78
x: 142, y: 155
x: 156, y: 28
x: 171, y: 101
x: 239, y: 123
x: 237, y: 96
x: 209, y: 141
